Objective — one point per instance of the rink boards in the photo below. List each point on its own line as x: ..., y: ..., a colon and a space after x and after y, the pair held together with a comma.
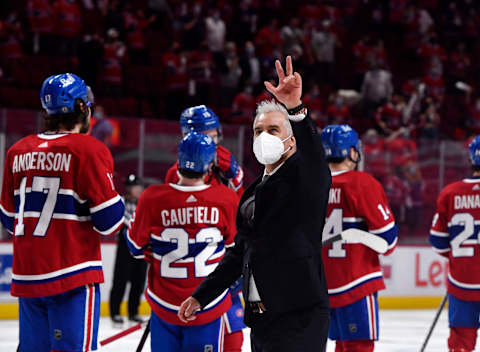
x: 415, y: 277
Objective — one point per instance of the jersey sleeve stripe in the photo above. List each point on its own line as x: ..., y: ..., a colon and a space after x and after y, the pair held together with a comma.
x: 440, y: 243
x: 393, y: 244
x: 112, y: 229
x: 347, y: 219
x: 106, y: 204
x: 70, y: 270
x: 382, y: 229
x: 355, y: 283
x: 439, y: 234
x: 108, y: 219
x: 134, y: 248
x: 441, y: 250
x: 7, y: 218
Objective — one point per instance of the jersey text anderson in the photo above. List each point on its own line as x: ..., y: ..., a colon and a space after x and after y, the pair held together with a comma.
x: 41, y: 161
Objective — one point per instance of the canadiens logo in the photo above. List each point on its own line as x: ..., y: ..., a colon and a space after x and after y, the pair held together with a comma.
x: 239, y: 312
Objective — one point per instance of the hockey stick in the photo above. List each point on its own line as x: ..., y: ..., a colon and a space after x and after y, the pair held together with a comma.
x: 439, y: 311
x: 144, y: 337
x: 353, y: 236
x: 121, y: 334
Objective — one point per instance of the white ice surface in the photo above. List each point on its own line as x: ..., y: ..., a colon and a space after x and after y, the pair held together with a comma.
x: 400, y: 331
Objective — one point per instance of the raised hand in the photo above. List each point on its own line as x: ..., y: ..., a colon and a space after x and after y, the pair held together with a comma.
x: 289, y: 89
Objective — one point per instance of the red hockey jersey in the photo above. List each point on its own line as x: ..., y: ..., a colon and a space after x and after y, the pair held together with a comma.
x: 57, y: 197
x: 454, y: 234
x: 353, y: 271
x: 188, y: 229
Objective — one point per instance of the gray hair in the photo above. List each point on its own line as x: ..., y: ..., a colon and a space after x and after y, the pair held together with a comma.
x: 271, y: 106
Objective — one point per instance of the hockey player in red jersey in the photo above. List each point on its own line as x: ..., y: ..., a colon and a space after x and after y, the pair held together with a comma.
x: 226, y: 169
x: 454, y: 234
x: 57, y: 199
x: 188, y: 225
x: 357, y: 201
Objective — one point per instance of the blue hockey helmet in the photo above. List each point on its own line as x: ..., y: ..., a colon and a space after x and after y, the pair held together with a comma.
x: 196, y: 152
x: 59, y: 92
x: 199, y: 119
x: 474, y: 148
x: 338, y: 139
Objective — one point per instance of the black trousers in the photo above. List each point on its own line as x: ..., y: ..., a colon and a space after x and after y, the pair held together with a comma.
x: 299, y: 331
x: 127, y: 269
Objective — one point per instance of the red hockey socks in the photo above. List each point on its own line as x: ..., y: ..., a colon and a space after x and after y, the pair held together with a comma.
x: 354, y: 346
x: 462, y: 339
x: 233, y: 342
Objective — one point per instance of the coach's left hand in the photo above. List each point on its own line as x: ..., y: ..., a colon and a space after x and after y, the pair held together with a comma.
x: 289, y: 89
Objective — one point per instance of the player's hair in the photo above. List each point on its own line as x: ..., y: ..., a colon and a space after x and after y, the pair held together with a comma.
x: 475, y: 168
x: 270, y: 106
x: 191, y: 174
x: 67, y: 121
x: 335, y: 160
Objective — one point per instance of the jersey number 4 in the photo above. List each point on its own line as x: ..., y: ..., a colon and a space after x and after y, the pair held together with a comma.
x: 211, y: 236
x: 48, y: 185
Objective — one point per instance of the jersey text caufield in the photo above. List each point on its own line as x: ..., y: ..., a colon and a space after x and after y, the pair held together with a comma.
x: 42, y: 161
x: 190, y: 215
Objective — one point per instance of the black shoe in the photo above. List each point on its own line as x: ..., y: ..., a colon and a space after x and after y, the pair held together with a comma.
x: 117, y: 321
x: 136, y: 319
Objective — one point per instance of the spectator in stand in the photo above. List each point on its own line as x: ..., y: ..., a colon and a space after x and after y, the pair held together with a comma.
x: 362, y: 58
x: 250, y: 66
x: 216, y: 31
x: 114, y: 17
x: 379, y: 54
x: 248, y: 20
x: 40, y: 13
x: 11, y: 35
x: 313, y: 100
x: 396, y: 191
x: 323, y: 44
x: 114, y: 53
x: 267, y: 39
x: 401, y: 147
x: 434, y: 84
x: 243, y: 107
x: 459, y: 63
x: 135, y: 24
x: 338, y: 113
x: 68, y: 26
x: 201, y: 63
x: 230, y: 76
x: 90, y: 52
x: 192, y: 24
x: 414, y: 200
x: 389, y: 117
x: 374, y: 154
x: 432, y: 51
x: 377, y: 87
x: 429, y: 121
x: 291, y: 35
x: 473, y: 120
x: 102, y: 128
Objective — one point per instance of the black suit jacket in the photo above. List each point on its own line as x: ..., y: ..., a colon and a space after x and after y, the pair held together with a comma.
x: 283, y: 248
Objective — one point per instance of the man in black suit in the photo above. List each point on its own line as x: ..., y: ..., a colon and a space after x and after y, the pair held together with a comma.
x: 279, y: 231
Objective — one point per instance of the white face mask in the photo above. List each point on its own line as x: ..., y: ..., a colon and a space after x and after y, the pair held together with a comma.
x: 268, y: 149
